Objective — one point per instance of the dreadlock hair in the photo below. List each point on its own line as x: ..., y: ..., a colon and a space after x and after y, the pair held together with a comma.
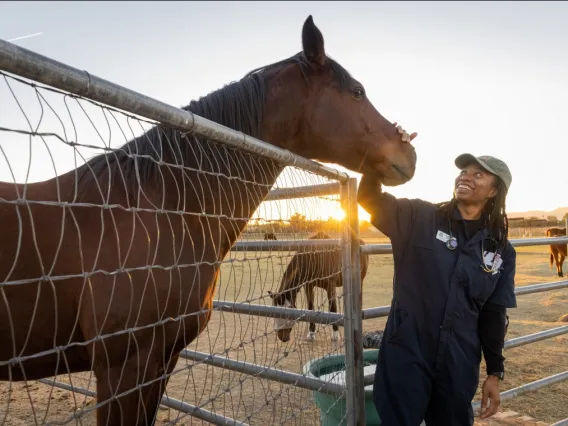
x: 494, y: 213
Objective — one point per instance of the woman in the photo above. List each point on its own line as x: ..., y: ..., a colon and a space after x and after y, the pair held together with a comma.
x: 449, y: 301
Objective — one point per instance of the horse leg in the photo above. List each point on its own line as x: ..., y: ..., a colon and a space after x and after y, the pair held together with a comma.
x: 559, y: 263
x: 557, y: 257
x: 136, y: 407
x: 156, y: 390
x: 332, y: 300
x: 310, y: 296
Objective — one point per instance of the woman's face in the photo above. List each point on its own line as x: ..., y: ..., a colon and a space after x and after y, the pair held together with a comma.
x: 474, y: 185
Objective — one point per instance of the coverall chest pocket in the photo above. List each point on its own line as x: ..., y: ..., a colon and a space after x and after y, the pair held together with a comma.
x: 482, y: 284
x: 435, y: 260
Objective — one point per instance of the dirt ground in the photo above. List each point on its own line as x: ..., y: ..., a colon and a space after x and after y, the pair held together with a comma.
x: 252, y: 339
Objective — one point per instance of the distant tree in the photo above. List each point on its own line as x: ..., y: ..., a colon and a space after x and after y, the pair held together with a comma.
x: 297, y: 218
x: 552, y: 219
x: 564, y: 217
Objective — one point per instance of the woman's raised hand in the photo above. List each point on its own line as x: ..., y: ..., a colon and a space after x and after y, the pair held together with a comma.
x: 405, y: 136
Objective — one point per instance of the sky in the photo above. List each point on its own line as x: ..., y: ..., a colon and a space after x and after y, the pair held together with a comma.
x: 479, y: 77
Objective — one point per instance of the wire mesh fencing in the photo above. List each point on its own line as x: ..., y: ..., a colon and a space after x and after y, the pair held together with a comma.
x: 116, y: 250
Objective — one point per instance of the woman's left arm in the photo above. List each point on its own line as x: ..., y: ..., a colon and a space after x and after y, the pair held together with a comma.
x: 493, y: 322
x: 504, y: 293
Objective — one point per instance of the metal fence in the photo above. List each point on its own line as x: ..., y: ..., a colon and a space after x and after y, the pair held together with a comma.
x: 211, y: 359
x: 215, y: 373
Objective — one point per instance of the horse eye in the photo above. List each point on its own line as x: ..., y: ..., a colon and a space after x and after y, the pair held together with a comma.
x: 358, y: 92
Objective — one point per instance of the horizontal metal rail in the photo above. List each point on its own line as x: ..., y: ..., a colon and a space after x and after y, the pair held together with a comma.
x: 511, y: 343
x: 294, y: 245
x: 304, y: 315
x: 379, y: 311
x: 376, y: 249
x: 322, y: 317
x: 286, y: 245
x: 536, y: 337
x: 281, y: 376
x: 383, y: 311
x: 561, y: 423
x: 166, y: 401
x: 515, y: 242
x: 23, y: 62
x: 528, y: 387
x: 303, y: 191
x: 538, y: 288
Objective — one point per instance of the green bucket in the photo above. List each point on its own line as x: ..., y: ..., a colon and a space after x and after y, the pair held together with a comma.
x: 333, y: 407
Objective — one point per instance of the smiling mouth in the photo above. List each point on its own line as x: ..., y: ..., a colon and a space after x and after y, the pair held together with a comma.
x: 464, y: 187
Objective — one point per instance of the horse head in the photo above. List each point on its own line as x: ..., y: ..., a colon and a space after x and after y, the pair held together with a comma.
x: 283, y: 326
x: 335, y: 121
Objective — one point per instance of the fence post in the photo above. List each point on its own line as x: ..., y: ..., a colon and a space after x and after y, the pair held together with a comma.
x: 353, y: 323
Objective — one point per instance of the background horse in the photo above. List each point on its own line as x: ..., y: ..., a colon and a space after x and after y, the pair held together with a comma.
x: 308, y: 269
x: 269, y: 236
x: 112, y: 266
x: 558, y: 252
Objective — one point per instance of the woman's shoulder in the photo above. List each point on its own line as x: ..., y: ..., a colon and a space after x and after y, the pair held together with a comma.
x: 417, y: 203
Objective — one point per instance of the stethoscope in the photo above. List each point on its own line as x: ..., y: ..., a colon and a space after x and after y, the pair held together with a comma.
x: 452, y: 244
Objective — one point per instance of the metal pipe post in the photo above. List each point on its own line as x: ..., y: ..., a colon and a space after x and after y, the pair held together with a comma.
x: 353, y: 302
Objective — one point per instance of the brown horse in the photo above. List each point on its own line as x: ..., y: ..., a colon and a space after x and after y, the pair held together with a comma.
x: 270, y: 236
x: 308, y: 269
x: 558, y: 252
x: 112, y: 266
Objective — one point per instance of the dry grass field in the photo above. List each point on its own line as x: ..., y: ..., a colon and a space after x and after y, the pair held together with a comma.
x: 252, y: 339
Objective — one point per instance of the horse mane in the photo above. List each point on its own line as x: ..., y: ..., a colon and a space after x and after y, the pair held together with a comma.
x: 238, y: 105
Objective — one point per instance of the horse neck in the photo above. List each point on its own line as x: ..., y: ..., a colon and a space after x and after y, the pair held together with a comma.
x: 184, y: 173
x: 289, y: 285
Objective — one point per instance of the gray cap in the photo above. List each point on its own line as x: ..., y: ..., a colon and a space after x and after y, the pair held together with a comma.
x: 489, y: 163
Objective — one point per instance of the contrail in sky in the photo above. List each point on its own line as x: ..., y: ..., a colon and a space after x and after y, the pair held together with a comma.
x: 26, y: 36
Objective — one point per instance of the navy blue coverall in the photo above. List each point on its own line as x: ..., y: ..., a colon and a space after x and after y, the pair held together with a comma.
x: 428, y: 362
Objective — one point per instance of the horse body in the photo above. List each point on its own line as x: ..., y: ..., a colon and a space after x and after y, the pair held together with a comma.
x: 108, y: 270
x: 558, y: 252
x: 112, y: 267
x: 308, y: 269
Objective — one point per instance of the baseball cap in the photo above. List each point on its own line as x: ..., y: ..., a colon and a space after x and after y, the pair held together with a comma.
x: 489, y: 163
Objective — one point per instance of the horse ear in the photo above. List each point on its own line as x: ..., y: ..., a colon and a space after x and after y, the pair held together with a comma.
x: 312, y: 43
x: 270, y: 294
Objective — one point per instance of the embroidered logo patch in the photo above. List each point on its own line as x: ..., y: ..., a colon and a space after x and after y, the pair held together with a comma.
x: 488, y: 257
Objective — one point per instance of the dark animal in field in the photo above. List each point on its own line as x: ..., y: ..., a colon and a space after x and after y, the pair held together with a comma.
x: 310, y: 268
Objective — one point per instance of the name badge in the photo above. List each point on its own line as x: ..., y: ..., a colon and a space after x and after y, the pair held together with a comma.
x: 442, y: 236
